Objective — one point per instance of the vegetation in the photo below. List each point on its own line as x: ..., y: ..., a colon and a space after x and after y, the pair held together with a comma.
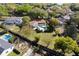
x: 66, y: 44
x: 12, y: 54
x: 38, y: 13
x: 71, y: 30
x: 26, y: 20
x: 62, y: 34
x: 23, y: 9
x: 3, y: 11
x: 54, y: 21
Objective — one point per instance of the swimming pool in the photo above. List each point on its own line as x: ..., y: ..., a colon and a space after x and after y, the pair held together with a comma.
x: 6, y: 37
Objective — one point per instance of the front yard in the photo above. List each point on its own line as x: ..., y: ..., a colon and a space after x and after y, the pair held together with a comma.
x: 12, y: 54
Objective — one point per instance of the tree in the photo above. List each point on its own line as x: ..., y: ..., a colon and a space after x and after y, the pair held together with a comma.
x: 54, y: 21
x: 40, y: 5
x: 75, y: 18
x: 74, y: 7
x: 54, y: 10
x: 71, y: 30
x: 3, y: 10
x: 66, y: 44
x: 23, y: 9
x: 11, y: 8
x: 26, y: 20
x: 38, y: 13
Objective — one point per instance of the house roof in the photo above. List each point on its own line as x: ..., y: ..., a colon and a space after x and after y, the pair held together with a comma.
x: 37, y: 22
x: 63, y: 19
x: 4, y: 45
x: 66, y: 17
x: 13, y: 20
x: 1, y: 50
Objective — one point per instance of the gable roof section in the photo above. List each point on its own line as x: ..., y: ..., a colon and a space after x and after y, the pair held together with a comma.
x: 13, y: 20
x: 36, y: 22
x: 4, y: 45
x: 1, y: 50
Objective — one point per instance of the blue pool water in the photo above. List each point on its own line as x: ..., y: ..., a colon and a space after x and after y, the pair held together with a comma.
x: 6, y: 37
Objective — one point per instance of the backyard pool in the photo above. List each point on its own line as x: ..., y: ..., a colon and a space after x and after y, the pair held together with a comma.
x: 6, y: 37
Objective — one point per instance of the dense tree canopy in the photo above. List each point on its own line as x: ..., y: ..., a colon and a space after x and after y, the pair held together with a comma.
x: 71, y: 30
x: 23, y: 9
x: 75, y: 18
x: 38, y: 13
x: 66, y: 44
x: 3, y: 10
x: 74, y: 7
x: 54, y: 21
x: 26, y: 20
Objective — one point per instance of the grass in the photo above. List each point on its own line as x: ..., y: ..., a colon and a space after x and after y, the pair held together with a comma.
x: 28, y: 33
x: 45, y: 38
x: 13, y: 28
x: 12, y: 54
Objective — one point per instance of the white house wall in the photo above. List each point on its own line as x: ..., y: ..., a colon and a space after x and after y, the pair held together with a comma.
x: 9, y: 51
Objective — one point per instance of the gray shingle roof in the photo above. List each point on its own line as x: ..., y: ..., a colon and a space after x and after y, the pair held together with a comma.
x: 1, y: 50
x: 4, y: 45
x: 13, y: 20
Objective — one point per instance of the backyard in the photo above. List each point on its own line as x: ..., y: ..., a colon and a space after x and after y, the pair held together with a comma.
x: 13, y: 54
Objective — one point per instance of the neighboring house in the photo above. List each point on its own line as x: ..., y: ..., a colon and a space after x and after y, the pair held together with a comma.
x: 39, y: 25
x: 13, y: 20
x: 67, y: 17
x: 5, y: 47
x: 69, y: 11
x: 63, y: 19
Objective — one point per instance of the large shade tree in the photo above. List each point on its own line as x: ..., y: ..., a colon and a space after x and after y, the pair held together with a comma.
x: 38, y: 13
x: 23, y: 9
x: 3, y: 10
x: 71, y: 30
x: 74, y: 7
x: 54, y: 21
x: 75, y: 18
x: 66, y: 44
x: 26, y: 20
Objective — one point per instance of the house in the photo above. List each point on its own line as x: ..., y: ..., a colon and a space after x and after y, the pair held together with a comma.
x: 39, y: 25
x: 5, y: 47
x: 13, y: 20
x: 67, y: 17
x: 63, y: 19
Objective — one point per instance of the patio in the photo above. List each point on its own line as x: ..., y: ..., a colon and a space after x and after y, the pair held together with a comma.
x: 21, y: 45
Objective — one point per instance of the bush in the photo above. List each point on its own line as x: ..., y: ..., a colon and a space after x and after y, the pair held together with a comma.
x: 54, y: 21
x: 26, y: 20
x: 16, y: 51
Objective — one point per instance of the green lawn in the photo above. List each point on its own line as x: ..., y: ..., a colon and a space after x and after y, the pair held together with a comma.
x: 45, y: 38
x: 12, y: 54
